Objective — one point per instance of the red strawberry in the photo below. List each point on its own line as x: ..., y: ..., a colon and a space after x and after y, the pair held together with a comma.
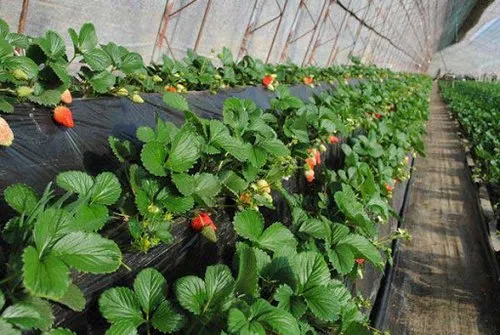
x: 359, y: 261
x: 267, y: 80
x: 6, y: 134
x: 308, y: 80
x: 309, y: 174
x: 311, y: 162
x: 63, y: 116
x: 378, y: 116
x: 201, y: 220
x: 66, y: 97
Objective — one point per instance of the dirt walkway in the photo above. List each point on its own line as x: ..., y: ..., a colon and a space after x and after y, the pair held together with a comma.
x: 442, y: 284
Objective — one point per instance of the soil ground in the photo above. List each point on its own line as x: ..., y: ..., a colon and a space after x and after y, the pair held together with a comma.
x: 443, y: 281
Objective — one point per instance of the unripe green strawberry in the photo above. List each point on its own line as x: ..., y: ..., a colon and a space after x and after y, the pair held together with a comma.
x: 263, y: 186
x: 322, y: 148
x: 268, y: 197
x: 137, y: 98
x: 157, y: 79
x: 217, y: 77
x: 142, y: 76
x: 122, y: 92
x: 24, y: 91
x: 19, y: 74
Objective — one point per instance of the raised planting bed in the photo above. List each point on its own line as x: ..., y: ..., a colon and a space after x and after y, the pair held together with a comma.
x: 336, y: 209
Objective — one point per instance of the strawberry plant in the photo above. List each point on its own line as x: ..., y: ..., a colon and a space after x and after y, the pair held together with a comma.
x: 52, y: 236
x: 145, y: 306
x: 476, y: 106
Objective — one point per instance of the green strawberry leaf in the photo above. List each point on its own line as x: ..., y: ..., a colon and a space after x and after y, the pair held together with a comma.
x: 74, y: 298
x: 123, y: 150
x: 52, y: 44
x: 146, y: 134
x: 191, y: 293
x: 311, y: 270
x: 59, y: 331
x: 102, y: 81
x: 150, y: 288
x: 249, y: 224
x: 248, y: 274
x: 274, y: 319
x: 88, y: 252
x: 322, y: 302
x: 47, y: 277
x: 22, y: 63
x: 5, y: 106
x: 46, y: 98
x: 341, y: 258
x: 276, y: 237
x: 22, y: 315
x: 178, y: 204
x: 176, y: 101
x: 8, y: 329
x: 91, y: 218
x: 185, y: 151
x: 207, y: 186
x: 97, y: 59
x: 106, y: 190
x: 362, y: 247
x: 122, y: 328
x: 257, y: 157
x: 233, y: 182
x: 275, y: 147
x: 166, y: 319
x: 153, y: 157
x: 131, y: 62
x: 120, y: 304
x: 50, y: 225
x: 87, y: 39
x: 75, y: 181
x: 21, y: 198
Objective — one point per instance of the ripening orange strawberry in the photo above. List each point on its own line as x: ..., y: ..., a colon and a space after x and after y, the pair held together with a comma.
x: 6, y: 134
x: 169, y: 88
x: 66, y: 97
x: 359, y: 261
x: 389, y: 188
x: 334, y: 139
x: 308, y: 80
x: 63, y: 116
x: 309, y: 174
x: 311, y: 162
x: 317, y: 156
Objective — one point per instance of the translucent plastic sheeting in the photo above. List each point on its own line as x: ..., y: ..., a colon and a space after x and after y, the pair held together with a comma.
x: 399, y: 34
x: 478, y: 53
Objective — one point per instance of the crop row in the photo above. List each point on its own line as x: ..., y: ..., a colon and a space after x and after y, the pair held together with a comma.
x: 284, y: 279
